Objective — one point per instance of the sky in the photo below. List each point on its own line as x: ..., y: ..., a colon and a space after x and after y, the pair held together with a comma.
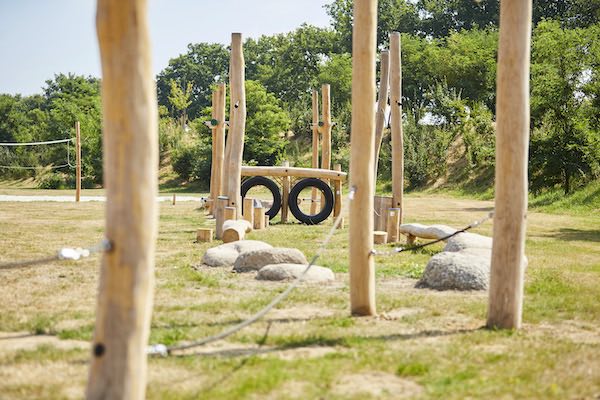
x: 40, y: 38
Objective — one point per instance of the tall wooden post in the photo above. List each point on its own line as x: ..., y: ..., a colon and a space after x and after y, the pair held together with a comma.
x: 326, y: 128
x: 118, y: 367
x: 285, y: 195
x: 219, y: 142
x: 237, y: 120
x: 77, y: 162
x: 396, y: 124
x: 213, y: 129
x: 337, y: 193
x: 512, y: 143
x: 384, y: 87
x: 315, y: 147
x: 362, y: 268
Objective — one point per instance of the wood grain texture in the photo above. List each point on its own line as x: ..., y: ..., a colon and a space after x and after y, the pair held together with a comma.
x: 130, y: 142
x: 382, y: 101
x: 396, y: 124
x: 362, y: 268
x: 512, y: 144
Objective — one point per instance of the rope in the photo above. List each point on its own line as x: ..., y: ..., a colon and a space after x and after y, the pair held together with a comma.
x: 420, y: 246
x: 65, y: 253
x: 68, y: 164
x: 36, y: 143
x: 162, y: 350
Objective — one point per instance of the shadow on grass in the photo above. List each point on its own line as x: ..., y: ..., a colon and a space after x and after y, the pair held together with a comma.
x: 581, y: 235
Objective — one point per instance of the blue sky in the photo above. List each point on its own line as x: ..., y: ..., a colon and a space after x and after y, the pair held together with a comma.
x: 39, y: 38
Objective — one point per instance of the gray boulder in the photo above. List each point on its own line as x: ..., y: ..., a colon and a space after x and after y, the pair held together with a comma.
x: 280, y: 272
x: 464, y: 270
x: 467, y: 240
x: 256, y: 259
x: 425, y: 231
x: 226, y: 254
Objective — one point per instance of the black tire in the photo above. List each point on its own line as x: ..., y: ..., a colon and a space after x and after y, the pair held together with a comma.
x: 295, y: 207
x: 269, y: 184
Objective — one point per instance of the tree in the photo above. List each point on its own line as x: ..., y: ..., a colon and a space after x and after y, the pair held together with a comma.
x: 180, y: 100
x: 563, y: 144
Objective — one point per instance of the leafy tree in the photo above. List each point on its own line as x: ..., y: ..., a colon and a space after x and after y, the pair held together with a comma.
x: 180, y: 100
x: 562, y: 145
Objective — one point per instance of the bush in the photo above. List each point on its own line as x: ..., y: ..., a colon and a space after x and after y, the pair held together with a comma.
x: 52, y: 181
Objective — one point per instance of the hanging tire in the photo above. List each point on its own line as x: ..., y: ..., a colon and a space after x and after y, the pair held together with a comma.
x: 269, y: 184
x: 294, y: 204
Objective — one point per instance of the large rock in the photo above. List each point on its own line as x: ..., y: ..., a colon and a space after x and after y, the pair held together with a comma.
x: 464, y: 270
x: 256, y: 259
x: 226, y: 254
x: 467, y: 240
x: 425, y: 231
x: 280, y: 272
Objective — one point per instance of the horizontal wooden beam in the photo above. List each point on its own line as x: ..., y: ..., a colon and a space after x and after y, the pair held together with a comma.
x: 294, y: 171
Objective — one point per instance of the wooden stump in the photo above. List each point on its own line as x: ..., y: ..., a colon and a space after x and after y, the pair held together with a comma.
x: 380, y: 237
x: 234, y: 230
x: 204, y: 235
x: 249, y: 210
x: 259, y: 218
x: 393, y: 225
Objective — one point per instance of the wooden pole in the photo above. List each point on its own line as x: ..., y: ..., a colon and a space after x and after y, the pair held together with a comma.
x: 219, y: 142
x: 220, y: 206
x: 396, y: 124
x: 384, y: 86
x: 512, y: 143
x: 213, y: 168
x: 78, y: 162
x: 315, y: 147
x: 326, y: 132
x: 285, y: 195
x: 229, y: 213
x: 337, y: 193
x: 130, y: 138
x: 393, y: 225
x: 249, y: 210
x: 235, y: 141
x: 362, y: 268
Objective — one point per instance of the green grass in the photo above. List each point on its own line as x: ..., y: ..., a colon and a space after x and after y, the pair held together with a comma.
x: 307, y: 344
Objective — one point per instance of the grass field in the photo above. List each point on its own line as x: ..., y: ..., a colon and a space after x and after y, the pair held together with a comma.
x: 424, y: 344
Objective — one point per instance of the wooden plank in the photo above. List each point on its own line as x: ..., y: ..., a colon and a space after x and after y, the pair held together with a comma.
x: 118, y: 367
x: 362, y: 268
x: 237, y: 119
x: 293, y: 171
x: 512, y: 142
x: 382, y: 101
x: 396, y: 123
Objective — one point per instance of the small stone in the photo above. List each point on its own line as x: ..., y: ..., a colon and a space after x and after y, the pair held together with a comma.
x: 226, y: 254
x: 280, y: 272
x: 256, y: 259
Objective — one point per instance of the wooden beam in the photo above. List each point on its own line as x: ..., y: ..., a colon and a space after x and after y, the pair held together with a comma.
x: 315, y: 147
x: 382, y: 101
x: 396, y: 124
x: 77, y: 162
x: 362, y: 268
x: 130, y: 139
x: 512, y: 143
x: 237, y: 121
x: 294, y: 171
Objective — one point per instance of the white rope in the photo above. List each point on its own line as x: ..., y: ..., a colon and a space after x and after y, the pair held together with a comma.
x: 36, y: 143
x: 41, y: 167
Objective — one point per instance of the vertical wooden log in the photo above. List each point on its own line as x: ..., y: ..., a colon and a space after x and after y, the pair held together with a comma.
x: 362, y: 269
x: 259, y: 218
x: 237, y: 117
x: 213, y: 129
x: 219, y: 142
x: 315, y: 147
x: 174, y: 200
x: 78, y: 162
x: 229, y: 213
x: 382, y: 101
x: 249, y: 210
x: 118, y: 368
x: 326, y: 132
x: 221, y: 203
x: 285, y: 195
x: 396, y: 124
x: 337, y: 193
x: 512, y: 143
x: 393, y: 225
